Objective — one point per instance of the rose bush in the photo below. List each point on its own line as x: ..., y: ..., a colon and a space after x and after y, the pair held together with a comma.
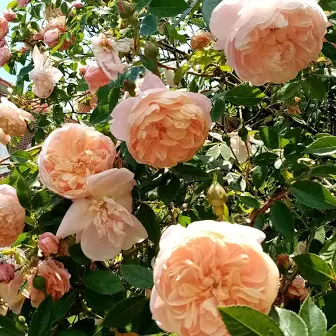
x: 169, y: 168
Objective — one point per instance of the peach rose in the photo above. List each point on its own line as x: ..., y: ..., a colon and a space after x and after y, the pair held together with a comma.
x: 13, y: 120
x: 5, y: 55
x: 206, y: 265
x: 10, y: 293
x: 44, y: 76
x: 240, y: 149
x: 12, y: 215
x: 6, y: 272
x: 70, y: 155
x: 105, y: 49
x: 269, y: 41
x: 103, y: 223
x: 54, y: 31
x: 162, y: 127
x: 48, y: 244
x: 3, y: 28
x: 95, y: 77
x: 57, y: 281
x: 9, y: 15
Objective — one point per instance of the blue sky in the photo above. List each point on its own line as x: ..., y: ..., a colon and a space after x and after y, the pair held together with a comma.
x: 3, y: 74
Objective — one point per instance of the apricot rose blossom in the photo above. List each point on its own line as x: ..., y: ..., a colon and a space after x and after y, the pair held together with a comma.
x: 12, y: 215
x: 44, y: 76
x: 106, y: 52
x: 269, y: 41
x: 104, y: 223
x: 94, y: 76
x: 71, y: 154
x: 206, y: 265
x: 162, y: 127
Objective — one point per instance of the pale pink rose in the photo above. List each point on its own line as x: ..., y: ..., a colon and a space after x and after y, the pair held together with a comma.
x: 23, y: 3
x: 44, y: 76
x: 269, y: 41
x: 162, y: 127
x: 104, y: 223
x: 52, y: 37
x: 5, y: 55
x: 105, y: 49
x: 87, y: 104
x: 241, y: 149
x: 297, y: 289
x: 3, y: 28
x: 12, y: 215
x: 13, y: 120
x: 12, y: 295
x: 9, y: 15
x: 70, y: 155
x: 95, y: 77
x: 48, y: 244
x: 53, y: 32
x: 77, y: 5
x: 207, y: 265
x: 6, y: 272
x: 57, y: 281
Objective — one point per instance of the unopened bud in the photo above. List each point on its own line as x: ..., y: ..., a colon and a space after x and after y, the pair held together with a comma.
x: 201, y: 40
x: 151, y: 50
x: 39, y: 283
x: 284, y: 263
x: 217, y: 197
x: 126, y: 10
x: 129, y: 85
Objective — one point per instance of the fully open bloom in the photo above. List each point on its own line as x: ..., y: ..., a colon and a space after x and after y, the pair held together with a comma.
x: 269, y: 40
x: 6, y: 272
x: 105, y: 50
x: 56, y: 279
x: 11, y: 294
x: 48, y: 243
x: 3, y: 28
x: 162, y: 127
x: 95, y: 77
x: 5, y: 55
x: 53, y: 32
x: 104, y: 223
x: 70, y: 155
x: 44, y: 76
x: 206, y: 265
x: 12, y: 215
x: 9, y: 15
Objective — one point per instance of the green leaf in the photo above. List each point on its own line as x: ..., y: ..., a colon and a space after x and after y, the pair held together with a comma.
x: 103, y: 282
x: 323, y: 146
x: 41, y: 198
x: 191, y: 173
x: 225, y: 151
x: 265, y: 159
x: 282, y: 219
x: 21, y: 156
x: 24, y: 192
x: 259, y: 176
x: 78, y: 256
x: 149, y: 25
x: 149, y: 63
x: 43, y: 318
x: 169, y: 188
x: 167, y: 8
x: 259, y: 222
x: 72, y: 332
x: 313, y: 268
x: 313, y: 195
x: 147, y: 217
x: 114, y: 98
x: 141, y: 4
x: 64, y: 8
x: 270, y: 136
x: 63, y: 305
x: 218, y: 110
x: 288, y: 91
x: 324, y: 171
x: 314, y: 318
x: 329, y: 306
x: 244, y: 95
x: 125, y: 311
x: 332, y: 331
x: 207, y: 8
x: 100, y: 114
x: 329, y: 50
x: 137, y: 276
x: 314, y: 87
x: 290, y: 323
x: 243, y: 320
x: 328, y: 250
x: 8, y: 327
x: 249, y: 201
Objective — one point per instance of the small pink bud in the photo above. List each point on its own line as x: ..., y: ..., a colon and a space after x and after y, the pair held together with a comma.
x: 6, y: 272
x: 78, y: 5
x: 48, y: 243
